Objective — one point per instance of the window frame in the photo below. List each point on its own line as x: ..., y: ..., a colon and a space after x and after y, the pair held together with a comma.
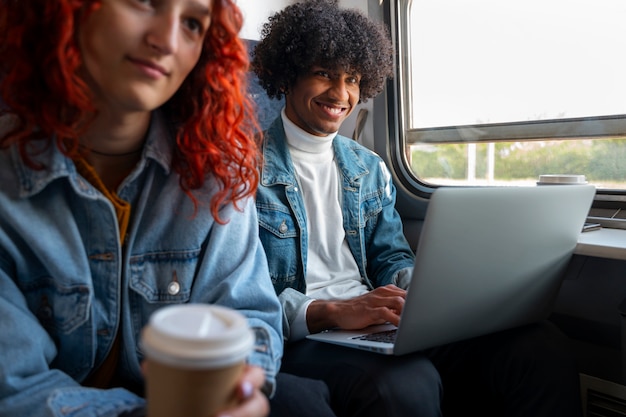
x: 401, y: 136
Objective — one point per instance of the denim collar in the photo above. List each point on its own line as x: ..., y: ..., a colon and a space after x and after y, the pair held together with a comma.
x: 278, y: 166
x: 158, y: 147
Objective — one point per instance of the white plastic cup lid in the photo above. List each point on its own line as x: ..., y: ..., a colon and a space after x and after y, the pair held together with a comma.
x: 561, y: 179
x: 197, y: 336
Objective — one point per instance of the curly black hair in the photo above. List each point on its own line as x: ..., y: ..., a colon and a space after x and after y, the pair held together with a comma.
x: 318, y: 32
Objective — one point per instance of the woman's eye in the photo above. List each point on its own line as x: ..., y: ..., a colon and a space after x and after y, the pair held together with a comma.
x: 195, y: 25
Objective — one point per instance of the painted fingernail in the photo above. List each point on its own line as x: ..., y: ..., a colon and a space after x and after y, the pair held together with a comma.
x: 247, y: 389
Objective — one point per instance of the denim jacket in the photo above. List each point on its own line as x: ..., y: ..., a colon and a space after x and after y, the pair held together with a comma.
x: 372, y: 225
x: 67, y: 285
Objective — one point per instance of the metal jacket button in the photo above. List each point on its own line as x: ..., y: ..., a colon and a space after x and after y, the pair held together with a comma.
x: 173, y: 288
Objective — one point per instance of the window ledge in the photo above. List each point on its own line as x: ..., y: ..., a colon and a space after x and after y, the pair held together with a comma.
x: 603, y: 243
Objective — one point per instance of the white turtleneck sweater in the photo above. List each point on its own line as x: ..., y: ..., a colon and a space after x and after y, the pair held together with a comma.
x: 332, y: 272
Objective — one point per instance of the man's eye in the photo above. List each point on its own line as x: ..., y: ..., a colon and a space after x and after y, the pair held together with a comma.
x: 322, y: 74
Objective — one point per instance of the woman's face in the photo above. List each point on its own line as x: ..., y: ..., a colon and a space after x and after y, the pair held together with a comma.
x: 137, y: 53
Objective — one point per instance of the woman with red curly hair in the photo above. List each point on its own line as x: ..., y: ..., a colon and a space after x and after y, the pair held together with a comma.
x: 128, y: 167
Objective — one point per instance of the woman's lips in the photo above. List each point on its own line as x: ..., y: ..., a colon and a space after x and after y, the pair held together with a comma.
x: 149, y: 68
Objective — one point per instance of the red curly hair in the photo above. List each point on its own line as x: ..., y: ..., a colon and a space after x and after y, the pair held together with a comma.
x: 41, y: 86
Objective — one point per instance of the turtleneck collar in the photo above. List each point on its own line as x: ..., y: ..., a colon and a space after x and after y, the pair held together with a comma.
x: 303, y: 141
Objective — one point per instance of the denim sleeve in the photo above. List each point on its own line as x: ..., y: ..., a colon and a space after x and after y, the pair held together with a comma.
x: 235, y: 274
x: 79, y: 402
x: 388, y: 251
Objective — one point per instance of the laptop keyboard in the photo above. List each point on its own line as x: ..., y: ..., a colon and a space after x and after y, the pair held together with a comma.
x: 387, y: 336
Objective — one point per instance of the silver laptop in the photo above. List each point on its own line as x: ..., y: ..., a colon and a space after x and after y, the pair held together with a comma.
x: 488, y: 259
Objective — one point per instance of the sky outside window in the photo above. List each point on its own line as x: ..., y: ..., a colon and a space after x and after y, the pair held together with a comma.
x: 491, y: 61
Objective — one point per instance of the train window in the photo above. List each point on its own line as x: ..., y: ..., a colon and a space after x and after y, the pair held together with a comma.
x: 500, y: 92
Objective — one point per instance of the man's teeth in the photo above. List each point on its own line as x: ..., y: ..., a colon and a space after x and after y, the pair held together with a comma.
x: 334, y: 110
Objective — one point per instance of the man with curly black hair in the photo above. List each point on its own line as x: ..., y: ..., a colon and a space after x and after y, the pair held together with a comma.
x: 336, y: 250
x: 293, y: 44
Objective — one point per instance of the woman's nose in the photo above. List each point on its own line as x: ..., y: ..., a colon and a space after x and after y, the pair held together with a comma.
x: 163, y: 34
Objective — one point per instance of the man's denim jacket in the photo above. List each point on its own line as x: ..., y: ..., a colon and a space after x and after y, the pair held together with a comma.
x: 372, y: 225
x: 67, y: 285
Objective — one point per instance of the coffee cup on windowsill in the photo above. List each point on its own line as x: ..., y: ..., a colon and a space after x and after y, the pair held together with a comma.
x: 561, y: 179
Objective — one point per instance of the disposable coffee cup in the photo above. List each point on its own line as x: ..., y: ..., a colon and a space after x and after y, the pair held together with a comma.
x: 195, y: 354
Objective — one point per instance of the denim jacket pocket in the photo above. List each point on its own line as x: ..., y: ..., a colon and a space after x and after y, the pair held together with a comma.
x: 164, y: 277
x: 158, y: 279
x: 277, y: 222
x: 371, y: 206
x: 63, y: 311
x: 60, y: 309
x: 278, y: 230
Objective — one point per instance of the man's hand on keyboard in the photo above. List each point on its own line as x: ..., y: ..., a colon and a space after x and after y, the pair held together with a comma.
x: 382, y: 305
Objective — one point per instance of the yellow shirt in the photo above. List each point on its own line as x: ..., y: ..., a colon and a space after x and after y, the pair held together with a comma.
x: 103, y: 377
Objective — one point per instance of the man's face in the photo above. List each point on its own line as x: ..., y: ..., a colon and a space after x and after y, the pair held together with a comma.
x: 322, y: 99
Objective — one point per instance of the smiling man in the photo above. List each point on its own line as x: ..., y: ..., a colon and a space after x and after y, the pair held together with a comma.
x: 337, y: 253
x: 334, y: 241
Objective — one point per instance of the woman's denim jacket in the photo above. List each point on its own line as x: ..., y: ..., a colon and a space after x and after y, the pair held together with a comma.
x: 67, y: 285
x: 372, y: 225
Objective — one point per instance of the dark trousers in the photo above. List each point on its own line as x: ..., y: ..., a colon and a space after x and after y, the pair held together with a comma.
x: 365, y: 384
x: 527, y: 371
x: 524, y: 372
x: 300, y: 397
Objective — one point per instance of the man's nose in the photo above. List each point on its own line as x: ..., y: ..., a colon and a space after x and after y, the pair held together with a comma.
x: 339, y: 89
